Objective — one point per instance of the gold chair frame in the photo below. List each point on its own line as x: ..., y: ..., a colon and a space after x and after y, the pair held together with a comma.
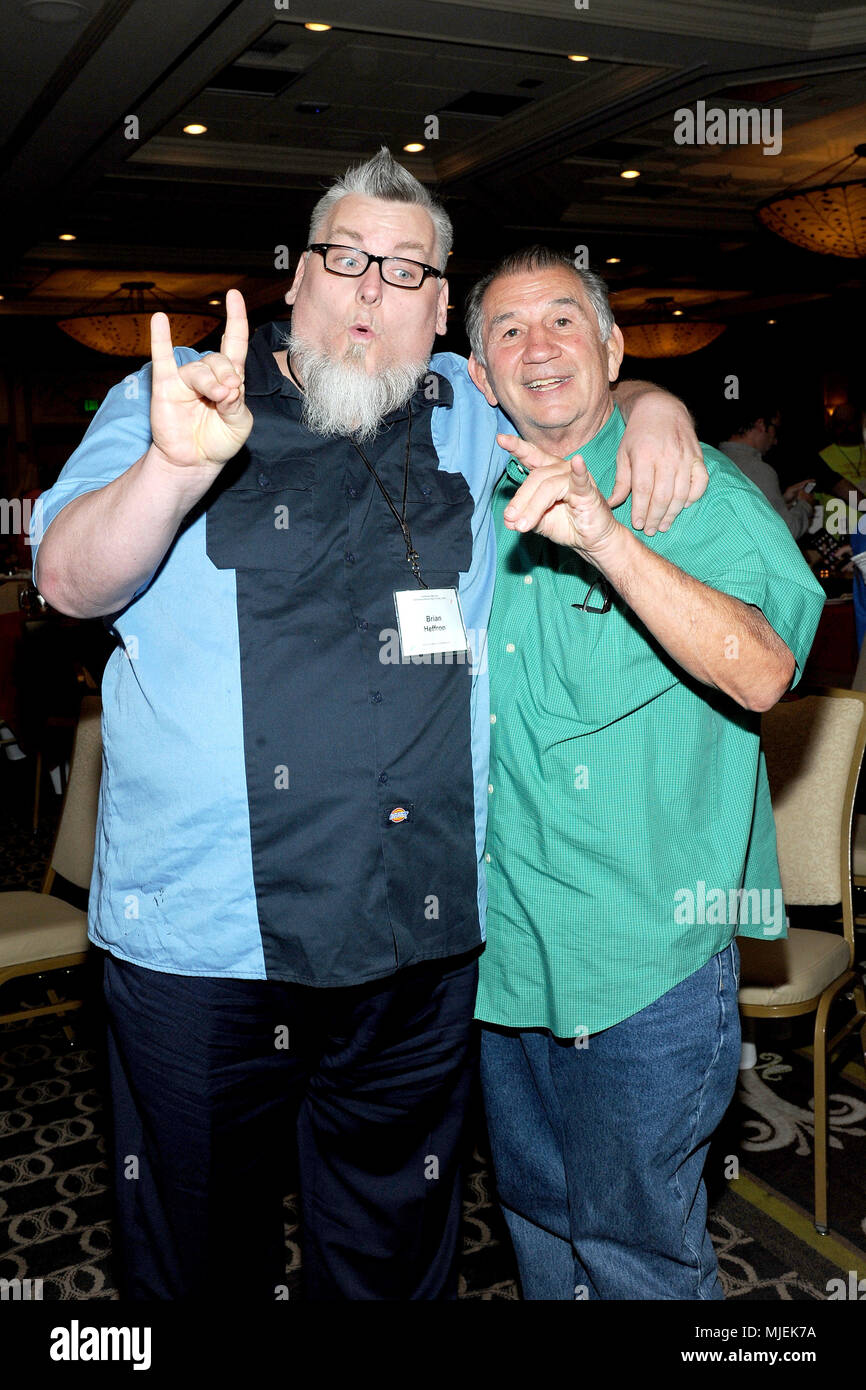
x: 849, y: 978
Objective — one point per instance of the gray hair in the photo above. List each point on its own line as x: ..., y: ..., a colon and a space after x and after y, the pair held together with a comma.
x: 382, y: 177
x: 520, y: 263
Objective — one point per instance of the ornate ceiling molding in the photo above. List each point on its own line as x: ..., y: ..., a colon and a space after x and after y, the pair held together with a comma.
x: 769, y: 27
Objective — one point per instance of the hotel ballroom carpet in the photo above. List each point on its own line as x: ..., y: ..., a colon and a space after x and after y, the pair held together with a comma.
x: 55, y: 1218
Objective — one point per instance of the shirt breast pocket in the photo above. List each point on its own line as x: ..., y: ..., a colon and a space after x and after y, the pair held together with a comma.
x: 439, y: 517
x: 261, y: 528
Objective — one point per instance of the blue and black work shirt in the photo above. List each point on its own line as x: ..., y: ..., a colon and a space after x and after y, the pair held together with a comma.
x: 284, y: 795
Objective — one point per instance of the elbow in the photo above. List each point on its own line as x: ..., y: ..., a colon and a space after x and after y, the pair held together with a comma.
x: 770, y: 691
x: 56, y: 593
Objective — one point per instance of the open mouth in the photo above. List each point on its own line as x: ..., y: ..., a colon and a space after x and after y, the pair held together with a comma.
x: 361, y: 332
x: 547, y: 383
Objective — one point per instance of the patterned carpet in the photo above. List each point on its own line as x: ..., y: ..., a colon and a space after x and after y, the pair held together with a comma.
x: 55, y: 1210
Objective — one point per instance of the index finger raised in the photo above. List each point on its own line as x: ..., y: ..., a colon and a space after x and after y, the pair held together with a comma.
x: 161, y: 349
x: 236, y: 336
x: 530, y: 455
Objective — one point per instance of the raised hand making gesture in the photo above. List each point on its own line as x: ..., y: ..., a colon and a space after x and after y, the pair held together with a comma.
x: 198, y: 415
x: 105, y: 545
x: 559, y: 500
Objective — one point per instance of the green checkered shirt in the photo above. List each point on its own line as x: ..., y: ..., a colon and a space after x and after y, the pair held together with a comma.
x: 628, y: 803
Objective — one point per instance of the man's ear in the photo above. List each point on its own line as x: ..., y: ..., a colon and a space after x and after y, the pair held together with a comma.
x: 615, y: 350
x: 442, y: 308
x: 478, y: 373
x: 292, y: 292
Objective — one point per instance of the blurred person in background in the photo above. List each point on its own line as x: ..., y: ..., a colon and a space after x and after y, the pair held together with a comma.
x: 753, y: 436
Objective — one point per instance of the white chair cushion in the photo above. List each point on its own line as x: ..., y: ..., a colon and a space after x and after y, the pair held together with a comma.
x: 790, y: 971
x: 35, y: 926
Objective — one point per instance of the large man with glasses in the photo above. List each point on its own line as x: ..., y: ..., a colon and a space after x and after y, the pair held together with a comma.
x: 287, y: 880
x: 628, y: 806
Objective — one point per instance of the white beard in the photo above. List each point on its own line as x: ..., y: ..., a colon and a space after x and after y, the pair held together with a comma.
x: 339, y: 396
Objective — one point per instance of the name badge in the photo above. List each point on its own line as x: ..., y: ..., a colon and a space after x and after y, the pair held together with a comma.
x: 429, y: 621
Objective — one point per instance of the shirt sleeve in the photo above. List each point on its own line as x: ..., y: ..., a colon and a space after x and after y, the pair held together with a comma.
x: 734, y: 541
x: 117, y: 436
x: 465, y: 434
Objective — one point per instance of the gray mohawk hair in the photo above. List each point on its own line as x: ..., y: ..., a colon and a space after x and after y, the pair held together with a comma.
x: 382, y: 177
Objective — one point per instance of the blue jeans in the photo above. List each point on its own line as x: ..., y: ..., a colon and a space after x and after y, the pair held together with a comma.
x: 599, y: 1149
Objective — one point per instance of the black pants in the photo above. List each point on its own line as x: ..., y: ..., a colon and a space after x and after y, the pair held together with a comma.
x: 211, y: 1079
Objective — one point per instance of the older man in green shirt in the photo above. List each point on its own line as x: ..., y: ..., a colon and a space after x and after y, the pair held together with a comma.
x: 630, y: 830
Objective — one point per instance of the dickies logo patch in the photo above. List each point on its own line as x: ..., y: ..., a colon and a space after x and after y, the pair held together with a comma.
x: 399, y: 813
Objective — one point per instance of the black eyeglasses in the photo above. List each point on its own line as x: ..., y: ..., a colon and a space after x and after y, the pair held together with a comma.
x: 601, y: 590
x: 394, y: 270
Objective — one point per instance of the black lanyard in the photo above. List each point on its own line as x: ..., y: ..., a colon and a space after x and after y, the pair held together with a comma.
x: 411, y: 553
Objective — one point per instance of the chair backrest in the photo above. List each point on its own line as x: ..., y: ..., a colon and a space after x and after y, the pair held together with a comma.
x: 72, y: 855
x: 814, y: 750
x: 858, y: 681
x: 9, y: 597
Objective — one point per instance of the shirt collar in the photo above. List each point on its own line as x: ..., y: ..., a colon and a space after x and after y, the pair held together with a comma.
x: 264, y: 378
x: 599, y: 454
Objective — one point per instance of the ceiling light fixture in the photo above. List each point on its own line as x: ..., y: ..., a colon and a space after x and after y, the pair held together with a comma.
x: 629, y: 173
x: 612, y: 260
x: 578, y: 58
x: 669, y: 339
x: 195, y: 128
x: 829, y: 218
x: 67, y: 236
x: 414, y: 148
x: 55, y: 11
x: 119, y: 324
x: 661, y: 336
x: 317, y: 28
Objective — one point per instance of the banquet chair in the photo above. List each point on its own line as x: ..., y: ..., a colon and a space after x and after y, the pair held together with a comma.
x: 814, y: 750
x: 39, y: 932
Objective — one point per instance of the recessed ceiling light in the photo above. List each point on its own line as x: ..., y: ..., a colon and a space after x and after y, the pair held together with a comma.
x: 55, y: 11
x: 678, y: 313
x: 414, y: 148
x: 194, y: 129
x: 612, y: 260
x: 630, y: 174
x: 67, y: 236
x: 317, y: 28
x: 771, y: 320
x: 2, y: 296
x: 578, y: 57
x: 214, y: 301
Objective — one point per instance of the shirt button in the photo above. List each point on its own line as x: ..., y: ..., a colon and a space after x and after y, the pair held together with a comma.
x: 487, y: 858
x: 350, y: 559
x: 376, y: 697
x: 490, y: 786
x: 527, y: 579
x: 493, y: 718
x: 383, y: 777
x: 425, y: 491
x: 351, y: 492
x: 263, y: 480
x: 509, y: 646
x: 363, y: 624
